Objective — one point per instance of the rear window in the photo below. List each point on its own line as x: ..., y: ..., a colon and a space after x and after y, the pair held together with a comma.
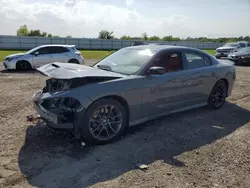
x: 196, y: 60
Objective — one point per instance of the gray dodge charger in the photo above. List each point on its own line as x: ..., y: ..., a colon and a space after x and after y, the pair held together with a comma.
x: 131, y: 86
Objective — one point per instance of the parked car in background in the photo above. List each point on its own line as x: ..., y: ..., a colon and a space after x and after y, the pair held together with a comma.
x: 131, y: 86
x: 138, y: 43
x: 226, y: 49
x: 240, y: 57
x: 42, y: 55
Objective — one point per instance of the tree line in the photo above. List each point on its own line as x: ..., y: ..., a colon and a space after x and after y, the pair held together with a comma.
x: 104, y: 34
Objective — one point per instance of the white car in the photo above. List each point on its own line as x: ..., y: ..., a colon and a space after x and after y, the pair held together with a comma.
x: 42, y: 55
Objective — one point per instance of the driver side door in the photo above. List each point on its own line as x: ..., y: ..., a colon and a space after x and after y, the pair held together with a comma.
x: 42, y: 56
x: 166, y: 92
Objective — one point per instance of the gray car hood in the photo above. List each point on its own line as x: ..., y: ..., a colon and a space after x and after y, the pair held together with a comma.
x: 69, y: 71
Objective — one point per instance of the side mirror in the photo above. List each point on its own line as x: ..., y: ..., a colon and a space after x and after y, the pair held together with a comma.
x: 156, y: 70
x: 36, y: 53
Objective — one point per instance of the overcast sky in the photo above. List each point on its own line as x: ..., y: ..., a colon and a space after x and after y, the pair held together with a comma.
x: 85, y: 18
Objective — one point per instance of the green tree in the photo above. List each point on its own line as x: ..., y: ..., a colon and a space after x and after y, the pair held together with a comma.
x: 154, y: 38
x: 50, y: 35
x: 69, y: 36
x: 35, y: 33
x: 104, y: 34
x: 144, y: 36
x: 22, y: 31
x: 44, y: 34
x: 125, y: 37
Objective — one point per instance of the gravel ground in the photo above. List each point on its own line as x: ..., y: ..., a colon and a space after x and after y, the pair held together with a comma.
x: 197, y: 148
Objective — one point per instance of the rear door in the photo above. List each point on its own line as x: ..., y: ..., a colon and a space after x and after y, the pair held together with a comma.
x: 200, y: 76
x: 60, y: 54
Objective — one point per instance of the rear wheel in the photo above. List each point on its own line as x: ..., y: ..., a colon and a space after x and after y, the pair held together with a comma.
x: 218, y: 95
x: 23, y: 65
x: 104, y: 121
x: 75, y: 61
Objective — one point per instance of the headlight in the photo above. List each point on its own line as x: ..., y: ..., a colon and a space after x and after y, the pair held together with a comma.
x: 10, y: 58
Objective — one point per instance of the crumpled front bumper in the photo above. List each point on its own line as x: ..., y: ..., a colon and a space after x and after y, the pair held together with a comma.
x: 55, y: 120
x: 51, y: 119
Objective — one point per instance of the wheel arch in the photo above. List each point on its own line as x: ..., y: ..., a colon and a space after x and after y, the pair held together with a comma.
x: 226, y: 81
x: 74, y: 59
x: 119, y: 99
x: 23, y: 60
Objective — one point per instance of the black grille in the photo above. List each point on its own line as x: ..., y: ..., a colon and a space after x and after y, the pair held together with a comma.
x: 223, y: 51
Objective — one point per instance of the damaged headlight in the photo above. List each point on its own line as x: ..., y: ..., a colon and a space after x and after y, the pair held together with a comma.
x: 64, y: 108
x: 67, y: 103
x: 55, y: 85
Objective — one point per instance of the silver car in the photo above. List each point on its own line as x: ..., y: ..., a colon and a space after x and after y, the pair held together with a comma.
x: 42, y: 55
x: 131, y: 86
x: 226, y: 49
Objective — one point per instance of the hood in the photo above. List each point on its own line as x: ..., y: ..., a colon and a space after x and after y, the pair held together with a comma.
x: 69, y: 71
x: 239, y: 53
x: 225, y: 48
x: 14, y: 55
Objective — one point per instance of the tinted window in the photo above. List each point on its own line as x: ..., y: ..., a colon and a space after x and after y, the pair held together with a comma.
x: 56, y: 50
x: 196, y: 60
x: 171, y: 61
x: 242, y: 45
x: 44, y: 50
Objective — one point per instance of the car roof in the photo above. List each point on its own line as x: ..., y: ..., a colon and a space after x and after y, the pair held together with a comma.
x: 160, y: 47
x: 57, y: 45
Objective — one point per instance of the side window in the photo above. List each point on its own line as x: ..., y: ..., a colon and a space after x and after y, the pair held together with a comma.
x: 57, y: 50
x: 171, y: 61
x: 242, y: 45
x: 248, y: 44
x: 196, y: 60
x: 44, y: 50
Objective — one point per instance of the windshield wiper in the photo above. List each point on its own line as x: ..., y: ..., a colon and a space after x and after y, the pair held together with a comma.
x: 104, y: 67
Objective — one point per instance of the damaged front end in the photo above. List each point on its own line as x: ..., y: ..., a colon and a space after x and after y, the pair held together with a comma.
x: 56, y: 106
x: 62, y: 102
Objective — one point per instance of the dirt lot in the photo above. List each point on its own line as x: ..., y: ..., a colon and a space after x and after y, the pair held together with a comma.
x: 198, y: 148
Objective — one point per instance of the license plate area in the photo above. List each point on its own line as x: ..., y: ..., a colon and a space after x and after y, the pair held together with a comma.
x: 47, y: 115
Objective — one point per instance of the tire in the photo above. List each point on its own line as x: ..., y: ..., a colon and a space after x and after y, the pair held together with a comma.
x: 92, y: 125
x: 23, y: 65
x: 75, y: 61
x: 218, y: 95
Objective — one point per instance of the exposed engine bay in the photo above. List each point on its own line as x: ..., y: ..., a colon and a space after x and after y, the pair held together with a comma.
x: 54, y: 85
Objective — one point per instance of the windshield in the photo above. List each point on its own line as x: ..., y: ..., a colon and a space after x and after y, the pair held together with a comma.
x: 126, y: 61
x: 33, y: 49
x: 230, y: 45
x: 245, y: 50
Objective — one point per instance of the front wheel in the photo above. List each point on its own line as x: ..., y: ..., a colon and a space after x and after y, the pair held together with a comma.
x: 104, y: 121
x: 23, y: 65
x: 218, y: 95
